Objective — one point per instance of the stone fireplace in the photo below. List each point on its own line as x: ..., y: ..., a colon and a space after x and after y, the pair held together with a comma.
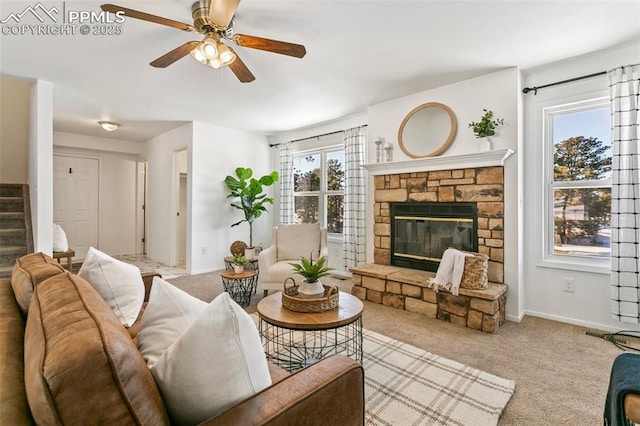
x: 482, y: 186
x: 432, y: 189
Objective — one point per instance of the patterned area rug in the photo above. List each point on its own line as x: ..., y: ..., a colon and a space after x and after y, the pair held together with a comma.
x: 405, y: 385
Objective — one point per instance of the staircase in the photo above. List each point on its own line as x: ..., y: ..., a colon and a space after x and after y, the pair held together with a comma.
x: 16, y: 235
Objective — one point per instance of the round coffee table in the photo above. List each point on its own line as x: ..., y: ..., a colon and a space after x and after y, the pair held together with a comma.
x: 294, y: 340
x: 240, y: 286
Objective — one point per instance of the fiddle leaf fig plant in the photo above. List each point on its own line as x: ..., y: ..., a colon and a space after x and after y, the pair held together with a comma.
x: 487, y: 125
x: 250, y: 196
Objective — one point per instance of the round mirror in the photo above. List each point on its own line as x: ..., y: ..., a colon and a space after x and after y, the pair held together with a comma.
x: 427, y: 131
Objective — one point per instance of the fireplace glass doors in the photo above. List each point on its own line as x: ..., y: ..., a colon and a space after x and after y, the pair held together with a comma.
x: 422, y: 231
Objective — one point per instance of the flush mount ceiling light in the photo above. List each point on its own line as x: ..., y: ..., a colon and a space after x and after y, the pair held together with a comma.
x: 109, y: 126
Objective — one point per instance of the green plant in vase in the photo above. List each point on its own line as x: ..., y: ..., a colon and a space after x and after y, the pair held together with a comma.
x: 239, y: 262
x: 486, y: 127
x: 311, y: 272
x: 251, y: 197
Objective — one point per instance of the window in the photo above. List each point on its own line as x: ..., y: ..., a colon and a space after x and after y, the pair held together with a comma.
x: 318, y: 188
x: 579, y: 193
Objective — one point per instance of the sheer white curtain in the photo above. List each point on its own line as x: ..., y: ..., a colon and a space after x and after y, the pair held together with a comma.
x: 354, y: 197
x: 625, y: 194
x: 286, y: 183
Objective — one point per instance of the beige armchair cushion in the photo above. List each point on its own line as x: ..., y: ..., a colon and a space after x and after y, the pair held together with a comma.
x: 299, y: 240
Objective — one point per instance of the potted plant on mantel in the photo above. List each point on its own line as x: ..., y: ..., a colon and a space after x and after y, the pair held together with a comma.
x: 486, y: 127
x: 312, y: 272
x: 252, y: 200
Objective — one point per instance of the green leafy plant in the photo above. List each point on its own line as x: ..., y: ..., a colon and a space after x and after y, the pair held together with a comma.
x: 249, y: 191
x: 312, y: 272
x: 240, y: 260
x: 487, y: 125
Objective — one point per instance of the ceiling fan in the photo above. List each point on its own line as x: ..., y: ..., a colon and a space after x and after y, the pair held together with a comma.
x: 214, y: 20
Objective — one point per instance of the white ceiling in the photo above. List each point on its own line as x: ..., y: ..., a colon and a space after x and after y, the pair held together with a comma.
x: 359, y: 53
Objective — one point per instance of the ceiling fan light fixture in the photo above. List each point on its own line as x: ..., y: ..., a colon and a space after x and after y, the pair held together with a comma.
x: 226, y: 55
x: 198, y: 55
x: 209, y: 48
x: 215, y: 63
x: 109, y: 126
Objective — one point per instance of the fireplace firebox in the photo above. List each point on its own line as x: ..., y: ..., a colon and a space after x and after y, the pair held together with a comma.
x: 422, y: 231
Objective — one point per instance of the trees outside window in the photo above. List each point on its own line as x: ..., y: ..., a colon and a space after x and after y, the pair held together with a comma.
x: 318, y: 188
x: 580, y: 188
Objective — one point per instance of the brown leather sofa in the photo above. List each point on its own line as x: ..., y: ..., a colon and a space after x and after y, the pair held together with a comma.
x: 66, y: 359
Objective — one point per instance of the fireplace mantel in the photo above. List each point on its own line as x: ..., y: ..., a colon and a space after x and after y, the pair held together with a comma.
x: 481, y: 159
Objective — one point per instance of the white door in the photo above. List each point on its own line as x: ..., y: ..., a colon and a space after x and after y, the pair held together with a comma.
x: 182, y: 220
x: 75, y: 201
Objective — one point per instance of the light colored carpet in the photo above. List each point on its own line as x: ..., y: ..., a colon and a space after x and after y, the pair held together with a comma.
x: 561, y: 374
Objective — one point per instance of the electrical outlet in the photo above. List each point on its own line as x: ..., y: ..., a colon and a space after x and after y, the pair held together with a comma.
x: 569, y: 284
x: 203, y: 250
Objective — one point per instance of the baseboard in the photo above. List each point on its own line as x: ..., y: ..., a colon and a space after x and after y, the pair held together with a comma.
x: 573, y: 321
x: 206, y: 270
x: 514, y: 318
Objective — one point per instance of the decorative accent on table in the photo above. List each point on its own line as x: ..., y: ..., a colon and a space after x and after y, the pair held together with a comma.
x: 294, y: 301
x: 311, y: 287
x: 237, y: 247
x: 249, y: 191
x: 484, y: 128
x: 239, y: 262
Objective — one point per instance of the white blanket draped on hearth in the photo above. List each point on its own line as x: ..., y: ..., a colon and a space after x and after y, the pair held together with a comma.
x: 450, y: 271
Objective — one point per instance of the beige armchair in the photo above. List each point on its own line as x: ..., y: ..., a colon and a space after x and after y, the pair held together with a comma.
x: 289, y: 243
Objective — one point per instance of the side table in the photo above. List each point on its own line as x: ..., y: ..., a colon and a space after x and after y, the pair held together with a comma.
x: 294, y: 340
x: 65, y: 254
x: 240, y: 286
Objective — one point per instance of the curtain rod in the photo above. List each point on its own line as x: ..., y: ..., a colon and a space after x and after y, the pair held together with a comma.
x: 310, y: 137
x: 535, y: 88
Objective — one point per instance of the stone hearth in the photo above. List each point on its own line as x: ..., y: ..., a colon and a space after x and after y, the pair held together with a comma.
x: 407, y: 289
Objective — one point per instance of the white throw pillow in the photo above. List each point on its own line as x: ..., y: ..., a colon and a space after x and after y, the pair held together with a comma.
x: 168, y: 314
x: 120, y: 284
x: 60, y: 242
x: 215, y: 363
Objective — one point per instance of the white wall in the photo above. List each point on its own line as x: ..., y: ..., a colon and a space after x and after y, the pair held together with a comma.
x: 498, y: 92
x: 161, y: 206
x: 590, y: 304
x: 118, y: 175
x: 215, y: 153
x: 41, y: 165
x: 14, y: 129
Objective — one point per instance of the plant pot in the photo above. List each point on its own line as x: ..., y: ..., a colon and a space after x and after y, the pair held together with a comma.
x: 308, y: 290
x: 484, y: 145
x: 250, y: 253
x: 238, y: 269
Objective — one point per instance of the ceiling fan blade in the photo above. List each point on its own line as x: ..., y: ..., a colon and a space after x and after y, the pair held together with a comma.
x: 130, y: 13
x: 221, y: 12
x: 275, y: 46
x: 177, y: 53
x: 240, y: 69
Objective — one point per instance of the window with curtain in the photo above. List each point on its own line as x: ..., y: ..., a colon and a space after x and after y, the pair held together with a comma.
x: 318, y: 187
x: 578, y: 207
